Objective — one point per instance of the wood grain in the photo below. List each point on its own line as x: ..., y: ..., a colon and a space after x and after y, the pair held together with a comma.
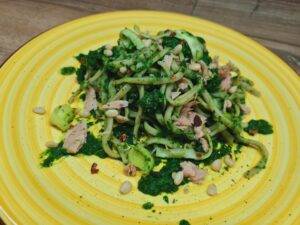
x: 273, y: 23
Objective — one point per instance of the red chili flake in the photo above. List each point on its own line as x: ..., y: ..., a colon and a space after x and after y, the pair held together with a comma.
x: 197, y: 121
x: 123, y: 137
x: 94, y: 168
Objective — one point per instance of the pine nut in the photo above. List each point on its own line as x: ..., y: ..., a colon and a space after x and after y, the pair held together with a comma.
x: 177, y: 177
x: 39, y: 110
x: 123, y: 69
x: 195, y: 66
x: 212, y: 190
x: 108, y: 52
x: 216, y: 165
x: 125, y: 187
x: 111, y: 113
x: 229, y: 161
x: 51, y: 144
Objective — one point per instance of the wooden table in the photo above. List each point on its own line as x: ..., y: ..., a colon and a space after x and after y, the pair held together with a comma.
x: 275, y: 24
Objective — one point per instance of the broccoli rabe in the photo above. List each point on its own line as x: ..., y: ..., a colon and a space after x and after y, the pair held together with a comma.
x: 170, y: 42
x: 62, y: 116
x: 152, y: 102
x: 93, y: 60
x: 259, y: 126
x: 213, y: 84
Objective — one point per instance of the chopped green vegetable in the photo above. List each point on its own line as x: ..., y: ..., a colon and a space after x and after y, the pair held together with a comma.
x: 172, y: 42
x: 148, y: 205
x: 68, y: 70
x: 62, y: 116
x: 80, y: 73
x: 166, y: 199
x: 213, y: 84
x: 152, y: 102
x: 140, y: 157
x: 259, y: 126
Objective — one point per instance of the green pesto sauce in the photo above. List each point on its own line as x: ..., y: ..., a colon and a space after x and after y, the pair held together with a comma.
x: 158, y: 182
x: 91, y: 147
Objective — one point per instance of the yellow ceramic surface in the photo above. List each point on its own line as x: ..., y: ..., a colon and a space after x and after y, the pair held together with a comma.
x: 68, y: 194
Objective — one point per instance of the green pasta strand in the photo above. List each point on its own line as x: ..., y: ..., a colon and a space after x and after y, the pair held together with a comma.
x: 184, y: 98
x: 111, y: 89
x: 151, y: 130
x: 106, y: 137
x: 149, y: 80
x: 161, y: 141
x: 263, y: 151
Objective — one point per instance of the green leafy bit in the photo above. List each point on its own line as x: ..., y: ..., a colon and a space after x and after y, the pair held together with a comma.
x: 80, y: 72
x: 259, y: 126
x: 148, y: 205
x: 152, y: 102
x: 172, y: 42
x: 62, y: 116
x: 213, y: 84
x: 166, y: 199
x: 68, y: 70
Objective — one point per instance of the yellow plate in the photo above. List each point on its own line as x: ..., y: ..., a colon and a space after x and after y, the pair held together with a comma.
x: 68, y: 194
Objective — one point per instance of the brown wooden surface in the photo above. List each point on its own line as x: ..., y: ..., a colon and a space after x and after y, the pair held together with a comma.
x: 273, y: 23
